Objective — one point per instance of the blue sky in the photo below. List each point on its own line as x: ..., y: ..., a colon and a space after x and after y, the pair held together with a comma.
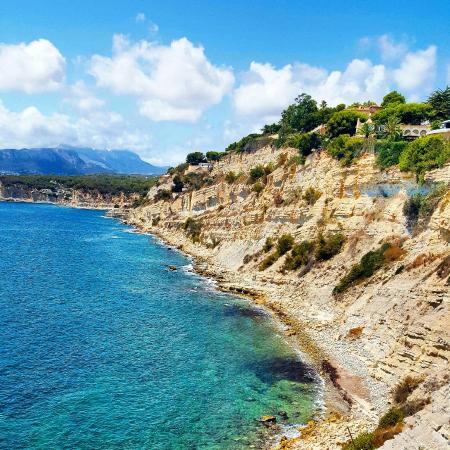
x: 167, y: 78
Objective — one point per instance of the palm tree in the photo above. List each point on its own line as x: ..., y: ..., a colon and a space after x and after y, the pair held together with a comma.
x: 392, y: 129
x: 366, y: 129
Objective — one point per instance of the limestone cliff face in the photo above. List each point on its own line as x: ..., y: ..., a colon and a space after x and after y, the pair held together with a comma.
x: 401, y: 312
x: 64, y: 196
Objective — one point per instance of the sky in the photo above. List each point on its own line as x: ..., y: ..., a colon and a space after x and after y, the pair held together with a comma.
x: 165, y: 78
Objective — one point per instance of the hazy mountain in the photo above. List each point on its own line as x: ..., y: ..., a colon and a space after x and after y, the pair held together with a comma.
x: 74, y: 161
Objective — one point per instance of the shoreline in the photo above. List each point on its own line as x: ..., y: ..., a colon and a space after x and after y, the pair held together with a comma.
x: 336, y: 413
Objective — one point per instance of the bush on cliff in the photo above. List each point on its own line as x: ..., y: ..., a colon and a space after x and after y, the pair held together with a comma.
x: 304, y: 142
x: 344, y: 122
x: 388, y: 152
x: 163, y: 194
x: 346, y: 148
x: 284, y: 244
x: 269, y: 260
x: 311, y: 196
x: 328, y: 246
x: 193, y: 229
x: 364, y: 441
x: 369, y: 264
x: 299, y: 256
x: 423, y: 154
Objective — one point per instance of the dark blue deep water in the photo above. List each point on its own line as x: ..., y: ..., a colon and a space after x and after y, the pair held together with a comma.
x: 102, y: 347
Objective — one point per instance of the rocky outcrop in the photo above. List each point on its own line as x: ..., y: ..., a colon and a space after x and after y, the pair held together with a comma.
x: 66, y: 196
x: 401, y: 312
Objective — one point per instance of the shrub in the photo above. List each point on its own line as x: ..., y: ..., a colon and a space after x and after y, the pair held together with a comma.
x: 344, y: 122
x: 214, y: 156
x: 195, y: 158
x: 369, y: 264
x: 355, y: 332
x: 393, y: 253
x: 411, y: 407
x: 345, y: 148
x: 296, y: 160
x: 268, y: 169
x: 231, y: 177
x: 284, y: 244
x: 419, y: 208
x: 299, y: 256
x: 244, y: 144
x: 363, y: 441
x: 304, y: 142
x: 268, y: 245
x: 178, y: 183
x: 258, y: 187
x: 423, y: 154
x: 163, y: 194
x: 328, y: 246
x: 256, y: 173
x: 268, y: 261
x: 311, y: 196
x: 391, y: 418
x: 193, y: 229
x: 388, y: 152
x: 405, y: 388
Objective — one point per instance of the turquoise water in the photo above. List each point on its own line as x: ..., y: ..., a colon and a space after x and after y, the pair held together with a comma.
x: 102, y: 347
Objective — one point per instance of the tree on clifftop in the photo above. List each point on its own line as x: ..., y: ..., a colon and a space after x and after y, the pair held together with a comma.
x: 392, y: 98
x: 195, y: 158
x: 440, y: 101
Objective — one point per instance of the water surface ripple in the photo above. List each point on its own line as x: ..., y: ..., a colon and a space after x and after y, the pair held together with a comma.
x: 103, y: 347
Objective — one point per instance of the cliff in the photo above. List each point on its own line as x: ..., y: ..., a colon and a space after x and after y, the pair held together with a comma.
x: 386, y: 325
x: 60, y: 195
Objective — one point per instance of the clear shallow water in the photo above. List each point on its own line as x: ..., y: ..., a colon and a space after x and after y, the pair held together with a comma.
x: 102, y: 347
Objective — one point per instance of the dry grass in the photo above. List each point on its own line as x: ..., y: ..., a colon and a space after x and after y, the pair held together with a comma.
x: 394, y: 253
x: 355, y: 333
x: 380, y: 435
x: 405, y: 388
x: 421, y: 260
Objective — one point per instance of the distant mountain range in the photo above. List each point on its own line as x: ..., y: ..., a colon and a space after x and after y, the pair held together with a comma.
x: 73, y: 161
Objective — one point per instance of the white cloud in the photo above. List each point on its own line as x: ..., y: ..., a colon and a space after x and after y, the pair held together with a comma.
x: 175, y: 82
x: 265, y: 90
x: 390, y: 49
x: 153, y: 27
x: 81, y: 97
x: 100, y: 129
x: 140, y: 17
x: 417, y: 70
x: 34, y: 67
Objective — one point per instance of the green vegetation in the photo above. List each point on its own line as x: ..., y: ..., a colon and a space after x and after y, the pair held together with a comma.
x: 424, y: 154
x: 440, y: 102
x: 243, y: 144
x: 231, y: 177
x: 299, y: 256
x: 256, y: 173
x: 214, y: 156
x: 346, y: 148
x: 392, y: 98
x: 311, y: 195
x: 195, y: 158
x: 268, y: 261
x: 304, y: 142
x: 364, y: 441
x: 410, y: 113
x: 344, y: 122
x: 268, y: 245
x: 388, y: 152
x: 258, y: 187
x: 193, y: 229
x: 391, y: 418
x: 284, y: 244
x: 163, y: 194
x: 328, y: 246
x: 369, y: 264
x: 102, y: 184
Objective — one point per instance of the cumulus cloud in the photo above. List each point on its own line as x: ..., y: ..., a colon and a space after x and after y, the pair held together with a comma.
x: 175, y: 82
x: 100, y: 129
x: 390, y: 49
x: 82, y: 99
x: 265, y: 90
x: 417, y: 70
x: 34, y: 67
